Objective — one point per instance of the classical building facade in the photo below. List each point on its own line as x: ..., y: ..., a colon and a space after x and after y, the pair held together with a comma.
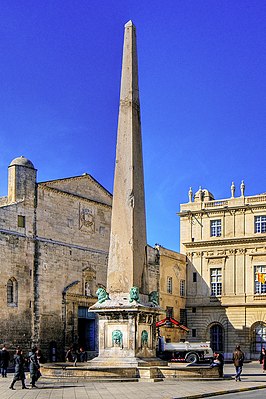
x: 225, y: 244
x: 172, y: 290
x: 54, y: 240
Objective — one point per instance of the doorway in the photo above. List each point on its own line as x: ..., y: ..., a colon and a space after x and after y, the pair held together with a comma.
x: 86, y: 329
x: 217, y: 337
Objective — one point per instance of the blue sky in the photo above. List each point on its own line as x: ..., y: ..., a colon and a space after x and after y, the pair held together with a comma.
x: 202, y: 91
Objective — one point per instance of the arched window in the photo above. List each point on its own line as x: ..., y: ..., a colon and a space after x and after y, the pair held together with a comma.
x: 258, y: 336
x: 12, y: 292
x: 217, y: 337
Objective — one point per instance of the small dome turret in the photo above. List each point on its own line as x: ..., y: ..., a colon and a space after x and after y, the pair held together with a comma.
x: 22, y: 161
x: 203, y: 195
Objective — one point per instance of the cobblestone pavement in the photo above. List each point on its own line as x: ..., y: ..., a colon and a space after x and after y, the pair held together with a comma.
x: 252, y: 378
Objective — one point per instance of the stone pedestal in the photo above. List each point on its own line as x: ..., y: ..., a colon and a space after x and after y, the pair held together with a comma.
x: 127, y: 333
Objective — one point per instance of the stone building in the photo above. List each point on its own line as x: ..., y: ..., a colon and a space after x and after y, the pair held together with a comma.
x: 167, y: 275
x: 225, y: 243
x: 172, y: 289
x: 54, y: 239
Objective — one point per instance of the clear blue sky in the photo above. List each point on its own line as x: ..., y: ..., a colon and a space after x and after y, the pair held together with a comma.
x: 202, y: 90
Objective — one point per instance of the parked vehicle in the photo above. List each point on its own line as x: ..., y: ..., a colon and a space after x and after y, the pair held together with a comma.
x: 189, y: 352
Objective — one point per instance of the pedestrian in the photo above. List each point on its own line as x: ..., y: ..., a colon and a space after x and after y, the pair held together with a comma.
x: 34, y: 367
x: 75, y: 357
x: 4, y: 361
x: 238, y: 360
x: 69, y: 357
x: 263, y: 359
x: 72, y: 355
x: 19, y: 362
x: 40, y: 356
x: 218, y: 361
x: 82, y: 355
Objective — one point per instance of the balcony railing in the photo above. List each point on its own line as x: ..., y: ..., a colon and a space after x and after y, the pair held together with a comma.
x: 213, y: 204
x: 257, y: 198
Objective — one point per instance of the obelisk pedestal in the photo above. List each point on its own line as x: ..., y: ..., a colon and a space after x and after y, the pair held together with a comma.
x: 127, y: 311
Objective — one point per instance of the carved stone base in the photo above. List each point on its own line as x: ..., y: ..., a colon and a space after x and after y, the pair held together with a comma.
x: 127, y: 331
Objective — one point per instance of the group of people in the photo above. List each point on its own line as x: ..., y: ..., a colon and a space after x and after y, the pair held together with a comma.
x: 73, y: 355
x: 238, y: 361
x: 20, y: 362
x: 237, y: 358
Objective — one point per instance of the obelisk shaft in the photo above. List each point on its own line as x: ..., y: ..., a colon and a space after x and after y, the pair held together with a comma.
x: 127, y: 255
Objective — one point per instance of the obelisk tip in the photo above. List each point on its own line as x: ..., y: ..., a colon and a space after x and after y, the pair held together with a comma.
x: 128, y: 24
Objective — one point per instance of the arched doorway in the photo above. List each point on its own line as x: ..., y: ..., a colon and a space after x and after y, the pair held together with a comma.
x: 217, y: 337
x: 258, y: 337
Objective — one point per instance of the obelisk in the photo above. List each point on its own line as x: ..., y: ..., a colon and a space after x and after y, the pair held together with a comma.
x: 127, y: 257
x: 126, y: 314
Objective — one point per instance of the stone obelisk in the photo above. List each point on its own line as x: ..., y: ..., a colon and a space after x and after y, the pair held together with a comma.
x: 127, y: 257
x: 127, y: 314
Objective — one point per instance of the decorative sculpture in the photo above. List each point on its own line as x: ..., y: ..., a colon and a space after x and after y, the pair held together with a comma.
x: 154, y: 298
x: 117, y: 338
x: 233, y: 189
x: 102, y: 295
x: 190, y: 194
x: 134, y: 294
x: 242, y: 188
x: 144, y: 338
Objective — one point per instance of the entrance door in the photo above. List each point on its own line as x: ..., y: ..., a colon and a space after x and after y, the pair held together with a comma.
x: 216, y: 336
x: 86, y: 329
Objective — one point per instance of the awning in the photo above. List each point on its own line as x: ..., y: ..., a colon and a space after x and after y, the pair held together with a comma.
x: 172, y: 321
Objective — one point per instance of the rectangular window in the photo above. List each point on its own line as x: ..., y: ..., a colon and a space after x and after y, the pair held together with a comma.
x: 216, y: 282
x: 194, y: 310
x: 260, y: 279
x: 169, y: 285
x: 21, y: 221
x: 169, y: 313
x: 216, y: 228
x: 260, y: 224
x: 194, y: 277
x: 182, y: 287
x: 193, y: 332
x: 183, y: 316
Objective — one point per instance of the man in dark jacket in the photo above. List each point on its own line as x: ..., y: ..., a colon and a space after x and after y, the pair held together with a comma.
x: 238, y: 360
x: 4, y: 360
x: 19, y: 369
x: 34, y: 367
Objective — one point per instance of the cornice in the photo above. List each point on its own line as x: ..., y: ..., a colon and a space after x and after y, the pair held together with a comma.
x: 66, y: 194
x: 225, y: 241
x: 85, y: 176
x: 222, y: 209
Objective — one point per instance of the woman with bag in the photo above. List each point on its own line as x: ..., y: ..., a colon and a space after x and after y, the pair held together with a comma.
x: 34, y: 367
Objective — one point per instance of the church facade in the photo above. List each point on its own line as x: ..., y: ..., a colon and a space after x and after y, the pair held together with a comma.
x: 225, y: 244
x: 54, y: 240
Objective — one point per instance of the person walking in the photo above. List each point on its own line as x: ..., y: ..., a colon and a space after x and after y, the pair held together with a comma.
x: 263, y: 359
x: 238, y: 360
x: 4, y: 361
x: 19, y: 362
x: 34, y: 367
